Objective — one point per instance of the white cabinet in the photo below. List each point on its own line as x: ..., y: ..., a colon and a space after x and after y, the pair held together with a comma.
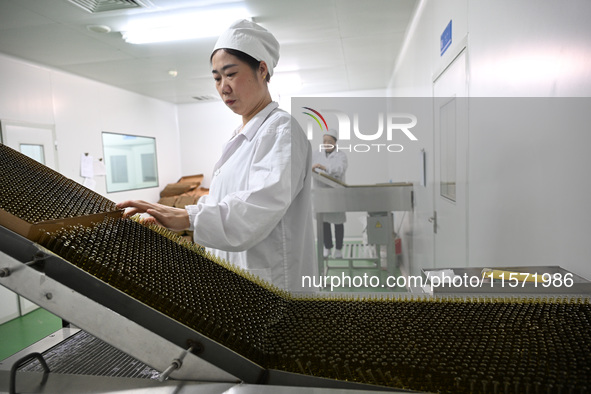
x: 9, y: 307
x: 26, y: 306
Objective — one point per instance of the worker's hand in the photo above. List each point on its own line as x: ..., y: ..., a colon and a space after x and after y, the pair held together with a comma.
x: 318, y: 166
x: 175, y: 219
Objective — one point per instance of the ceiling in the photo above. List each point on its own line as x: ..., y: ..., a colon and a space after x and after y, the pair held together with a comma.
x: 330, y: 45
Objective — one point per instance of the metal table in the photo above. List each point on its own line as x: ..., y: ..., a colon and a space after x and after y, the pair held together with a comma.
x: 377, y: 200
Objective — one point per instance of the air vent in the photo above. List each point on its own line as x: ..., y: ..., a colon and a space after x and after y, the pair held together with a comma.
x: 206, y: 97
x: 96, y: 6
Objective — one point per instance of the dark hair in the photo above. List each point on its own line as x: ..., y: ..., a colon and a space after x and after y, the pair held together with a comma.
x: 251, y: 61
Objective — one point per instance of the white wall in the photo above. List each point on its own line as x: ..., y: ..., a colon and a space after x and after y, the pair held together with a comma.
x: 80, y: 109
x: 525, y: 188
x: 204, y: 129
x: 530, y: 48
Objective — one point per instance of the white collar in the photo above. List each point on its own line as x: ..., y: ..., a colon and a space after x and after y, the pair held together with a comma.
x: 250, y: 129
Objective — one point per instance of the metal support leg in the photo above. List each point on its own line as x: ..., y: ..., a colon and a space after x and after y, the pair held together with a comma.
x: 320, y: 243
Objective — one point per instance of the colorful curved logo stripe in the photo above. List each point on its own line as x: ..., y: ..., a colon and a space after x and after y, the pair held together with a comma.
x: 315, y: 118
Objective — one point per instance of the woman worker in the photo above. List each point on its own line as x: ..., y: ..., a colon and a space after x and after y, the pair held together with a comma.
x: 333, y: 163
x: 258, y: 212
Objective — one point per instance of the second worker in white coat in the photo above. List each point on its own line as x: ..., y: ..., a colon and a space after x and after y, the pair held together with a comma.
x: 333, y: 163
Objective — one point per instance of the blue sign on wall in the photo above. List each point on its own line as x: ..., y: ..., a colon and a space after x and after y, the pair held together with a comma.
x: 445, y: 40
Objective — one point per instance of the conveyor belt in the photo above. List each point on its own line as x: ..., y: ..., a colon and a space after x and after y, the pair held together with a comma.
x: 261, y: 334
x: 38, y: 194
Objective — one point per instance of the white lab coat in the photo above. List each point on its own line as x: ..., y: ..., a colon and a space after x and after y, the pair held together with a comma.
x: 336, y: 166
x: 258, y: 213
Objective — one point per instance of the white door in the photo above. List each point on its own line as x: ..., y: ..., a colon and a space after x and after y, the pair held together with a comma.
x: 37, y: 142
x: 450, y: 219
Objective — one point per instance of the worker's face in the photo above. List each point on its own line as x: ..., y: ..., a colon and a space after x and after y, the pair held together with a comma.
x: 242, y: 89
x: 329, y: 140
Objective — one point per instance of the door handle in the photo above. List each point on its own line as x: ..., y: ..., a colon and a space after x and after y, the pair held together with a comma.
x: 433, y: 219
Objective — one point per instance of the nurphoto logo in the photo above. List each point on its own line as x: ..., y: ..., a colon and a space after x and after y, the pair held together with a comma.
x: 368, y: 128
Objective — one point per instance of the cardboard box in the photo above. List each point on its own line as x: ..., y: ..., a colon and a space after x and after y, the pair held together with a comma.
x: 182, y: 201
x: 192, y: 179
x: 186, y: 192
x: 33, y: 231
x: 176, y: 189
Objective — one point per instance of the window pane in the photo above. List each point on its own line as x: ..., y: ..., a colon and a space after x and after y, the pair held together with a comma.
x: 148, y: 167
x: 35, y: 152
x: 130, y: 161
x: 447, y: 126
x: 119, y: 169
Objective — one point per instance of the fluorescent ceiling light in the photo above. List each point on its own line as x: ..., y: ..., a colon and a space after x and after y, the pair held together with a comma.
x: 182, y: 26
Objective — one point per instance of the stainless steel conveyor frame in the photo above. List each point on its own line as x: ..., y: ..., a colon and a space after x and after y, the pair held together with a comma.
x: 109, y: 314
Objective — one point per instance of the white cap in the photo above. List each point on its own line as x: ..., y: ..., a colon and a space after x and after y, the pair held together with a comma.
x: 333, y: 133
x: 252, y: 39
